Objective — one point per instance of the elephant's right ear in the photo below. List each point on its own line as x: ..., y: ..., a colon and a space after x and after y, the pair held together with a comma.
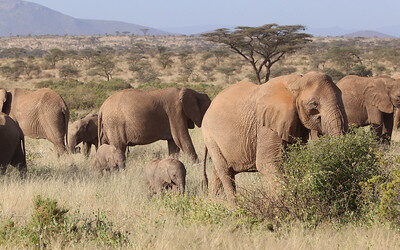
x: 277, y: 111
x: 3, y: 98
x: 376, y: 95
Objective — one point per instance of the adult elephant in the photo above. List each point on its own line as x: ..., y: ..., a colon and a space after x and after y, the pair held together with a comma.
x: 247, y: 124
x: 12, y: 145
x: 41, y: 114
x: 83, y: 130
x: 133, y: 117
x: 371, y: 101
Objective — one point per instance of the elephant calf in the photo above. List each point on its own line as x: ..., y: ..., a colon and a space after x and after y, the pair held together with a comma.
x: 108, y: 158
x: 165, y: 174
x: 12, y: 145
x: 83, y: 130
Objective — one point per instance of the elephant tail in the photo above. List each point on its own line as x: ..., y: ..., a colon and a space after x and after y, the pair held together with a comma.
x: 100, y: 132
x: 396, y: 123
x: 205, y: 179
x: 65, y: 112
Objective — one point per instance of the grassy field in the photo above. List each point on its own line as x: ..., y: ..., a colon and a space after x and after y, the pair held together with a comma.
x: 193, y: 221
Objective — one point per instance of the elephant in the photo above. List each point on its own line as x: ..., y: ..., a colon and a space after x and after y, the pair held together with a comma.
x: 246, y: 125
x: 165, y: 174
x: 83, y: 130
x: 371, y: 101
x: 41, y: 114
x: 12, y: 145
x: 132, y: 117
x: 108, y: 158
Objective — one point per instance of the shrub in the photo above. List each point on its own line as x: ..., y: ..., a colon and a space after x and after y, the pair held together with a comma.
x: 84, y: 95
x: 361, y: 70
x: 50, y: 223
x: 210, y: 89
x: 66, y: 71
x: 323, y: 181
x: 283, y: 71
x: 335, y: 74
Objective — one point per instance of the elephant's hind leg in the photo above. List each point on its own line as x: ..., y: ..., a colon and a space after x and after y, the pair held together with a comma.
x: 173, y: 149
x: 216, y: 184
x: 223, y: 172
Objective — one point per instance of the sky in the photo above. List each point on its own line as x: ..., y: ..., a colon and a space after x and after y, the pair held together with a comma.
x: 348, y: 14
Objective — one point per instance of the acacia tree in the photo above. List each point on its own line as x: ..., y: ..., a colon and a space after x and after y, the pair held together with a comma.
x: 261, y: 46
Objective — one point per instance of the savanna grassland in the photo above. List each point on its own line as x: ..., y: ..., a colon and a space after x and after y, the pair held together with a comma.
x: 339, y: 193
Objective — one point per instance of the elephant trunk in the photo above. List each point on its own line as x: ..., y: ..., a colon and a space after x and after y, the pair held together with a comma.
x: 72, y: 142
x: 334, y: 121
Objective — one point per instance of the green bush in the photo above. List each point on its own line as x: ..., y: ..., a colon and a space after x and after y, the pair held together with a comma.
x: 322, y: 181
x: 84, y: 95
x: 50, y: 223
x: 210, y: 89
x: 282, y: 71
x: 361, y: 70
x: 335, y: 74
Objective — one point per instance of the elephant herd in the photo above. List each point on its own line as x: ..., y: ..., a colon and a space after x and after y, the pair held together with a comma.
x: 244, y: 127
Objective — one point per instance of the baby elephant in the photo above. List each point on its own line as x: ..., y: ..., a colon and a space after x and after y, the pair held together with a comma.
x: 166, y: 174
x: 108, y: 158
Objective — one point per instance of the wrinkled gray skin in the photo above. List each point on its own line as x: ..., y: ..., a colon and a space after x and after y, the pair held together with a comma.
x: 371, y: 101
x: 12, y: 145
x: 165, y: 174
x: 108, y: 158
x: 83, y: 130
x: 41, y: 114
x: 132, y: 117
x: 246, y: 125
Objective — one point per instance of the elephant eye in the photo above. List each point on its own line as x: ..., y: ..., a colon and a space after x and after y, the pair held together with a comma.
x: 313, y: 104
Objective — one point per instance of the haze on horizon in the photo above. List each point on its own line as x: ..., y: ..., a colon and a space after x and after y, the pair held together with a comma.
x: 354, y: 14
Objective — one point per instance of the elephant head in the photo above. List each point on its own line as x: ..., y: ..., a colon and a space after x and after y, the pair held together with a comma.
x: 173, y: 174
x: 3, y: 98
x: 393, y: 90
x: 82, y: 129
x: 312, y: 101
x: 194, y: 106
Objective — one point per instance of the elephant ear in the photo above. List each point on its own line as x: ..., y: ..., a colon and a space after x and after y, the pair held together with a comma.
x: 194, y: 105
x: 3, y: 98
x: 164, y: 174
x: 277, y: 111
x: 377, y: 96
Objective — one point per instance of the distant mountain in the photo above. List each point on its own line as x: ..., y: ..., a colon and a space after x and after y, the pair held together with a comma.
x: 23, y: 18
x: 329, y: 31
x: 196, y: 29
x: 390, y: 30
x: 369, y: 34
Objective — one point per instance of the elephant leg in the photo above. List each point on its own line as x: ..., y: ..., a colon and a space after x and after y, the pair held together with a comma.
x: 223, y: 173
x: 3, y: 169
x: 387, y: 127
x: 375, y: 118
x: 269, y: 146
x: 86, y: 149
x: 173, y: 149
x: 216, y: 184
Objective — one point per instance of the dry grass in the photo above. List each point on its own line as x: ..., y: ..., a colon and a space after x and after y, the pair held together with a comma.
x: 123, y: 197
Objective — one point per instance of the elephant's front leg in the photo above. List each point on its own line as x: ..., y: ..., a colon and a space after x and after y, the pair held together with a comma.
x: 269, y: 146
x: 86, y: 148
x: 388, y: 120
x: 173, y: 149
x: 181, y: 137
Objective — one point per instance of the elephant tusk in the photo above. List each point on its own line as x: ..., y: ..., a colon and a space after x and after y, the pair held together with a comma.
x: 197, y: 164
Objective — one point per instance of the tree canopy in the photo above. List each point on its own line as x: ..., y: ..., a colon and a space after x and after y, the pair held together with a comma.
x: 261, y: 46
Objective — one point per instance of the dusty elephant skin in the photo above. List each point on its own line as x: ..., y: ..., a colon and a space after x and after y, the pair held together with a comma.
x: 132, y: 117
x: 247, y: 124
x: 371, y: 101
x: 108, y: 158
x: 41, y: 114
x: 165, y: 174
x: 83, y: 130
x: 12, y: 145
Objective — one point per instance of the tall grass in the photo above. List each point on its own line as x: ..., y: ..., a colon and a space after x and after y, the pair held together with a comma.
x: 169, y: 222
